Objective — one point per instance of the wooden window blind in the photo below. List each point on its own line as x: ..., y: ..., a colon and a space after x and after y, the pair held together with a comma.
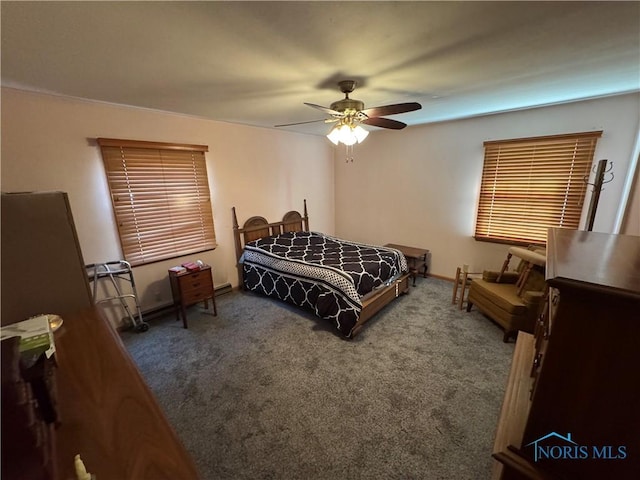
x: 160, y: 197
x: 531, y: 184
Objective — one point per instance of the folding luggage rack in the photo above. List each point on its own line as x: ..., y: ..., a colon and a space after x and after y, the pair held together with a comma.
x: 114, y: 271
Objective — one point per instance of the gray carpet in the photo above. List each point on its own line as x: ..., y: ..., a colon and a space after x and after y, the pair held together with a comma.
x: 267, y: 391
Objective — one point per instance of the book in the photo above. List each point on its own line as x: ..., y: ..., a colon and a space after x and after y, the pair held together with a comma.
x: 35, y: 335
x: 178, y: 269
x: 191, y: 266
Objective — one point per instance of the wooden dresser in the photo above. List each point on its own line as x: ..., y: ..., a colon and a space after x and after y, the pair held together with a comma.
x: 105, y: 411
x: 572, y: 403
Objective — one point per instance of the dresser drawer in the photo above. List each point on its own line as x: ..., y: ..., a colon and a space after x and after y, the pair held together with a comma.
x: 554, y: 301
x: 542, y: 334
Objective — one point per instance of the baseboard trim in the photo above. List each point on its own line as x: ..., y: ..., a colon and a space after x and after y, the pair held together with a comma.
x: 442, y: 277
x: 164, y: 309
x: 223, y: 289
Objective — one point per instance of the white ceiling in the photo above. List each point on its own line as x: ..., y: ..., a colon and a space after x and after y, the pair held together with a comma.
x: 256, y: 63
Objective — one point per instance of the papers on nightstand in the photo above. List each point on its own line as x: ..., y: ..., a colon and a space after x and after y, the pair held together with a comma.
x: 35, y: 335
x: 188, y: 267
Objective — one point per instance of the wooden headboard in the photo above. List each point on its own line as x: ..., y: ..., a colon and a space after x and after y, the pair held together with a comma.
x: 258, y: 227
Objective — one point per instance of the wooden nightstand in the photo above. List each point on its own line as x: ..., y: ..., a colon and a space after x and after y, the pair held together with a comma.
x: 189, y: 288
x: 417, y: 258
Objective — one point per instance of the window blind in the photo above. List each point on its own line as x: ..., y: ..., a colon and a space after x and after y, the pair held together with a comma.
x: 160, y: 196
x: 531, y: 184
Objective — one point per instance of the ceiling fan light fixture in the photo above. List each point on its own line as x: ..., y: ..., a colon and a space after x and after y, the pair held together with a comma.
x: 347, y: 134
x: 360, y: 133
x: 349, y: 113
x: 334, y: 135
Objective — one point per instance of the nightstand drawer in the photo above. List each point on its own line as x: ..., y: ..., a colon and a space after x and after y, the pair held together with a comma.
x: 195, y: 281
x: 198, y: 295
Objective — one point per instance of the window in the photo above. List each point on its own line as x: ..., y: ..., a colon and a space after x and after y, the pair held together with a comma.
x: 160, y: 197
x: 531, y: 184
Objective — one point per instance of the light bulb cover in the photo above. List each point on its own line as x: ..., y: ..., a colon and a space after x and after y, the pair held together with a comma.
x: 360, y: 133
x: 347, y: 134
x: 334, y: 135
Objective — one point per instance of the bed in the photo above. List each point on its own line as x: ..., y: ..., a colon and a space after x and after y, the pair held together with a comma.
x: 340, y: 281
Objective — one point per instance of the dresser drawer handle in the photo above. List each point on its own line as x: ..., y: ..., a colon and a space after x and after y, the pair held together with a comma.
x: 195, y: 284
x: 537, y: 360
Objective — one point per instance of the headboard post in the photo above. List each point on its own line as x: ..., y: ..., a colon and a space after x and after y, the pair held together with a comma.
x: 258, y: 227
x: 238, y: 243
x: 306, y: 216
x: 236, y: 234
x: 235, y: 218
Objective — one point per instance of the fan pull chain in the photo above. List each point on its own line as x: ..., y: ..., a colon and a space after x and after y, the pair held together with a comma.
x: 349, y: 154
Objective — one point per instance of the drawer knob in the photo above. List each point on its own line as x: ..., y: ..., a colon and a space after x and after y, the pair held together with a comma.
x: 537, y: 360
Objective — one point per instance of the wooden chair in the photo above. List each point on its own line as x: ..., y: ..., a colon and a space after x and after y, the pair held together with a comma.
x: 512, y: 298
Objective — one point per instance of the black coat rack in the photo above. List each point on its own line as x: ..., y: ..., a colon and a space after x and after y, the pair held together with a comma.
x: 601, y: 170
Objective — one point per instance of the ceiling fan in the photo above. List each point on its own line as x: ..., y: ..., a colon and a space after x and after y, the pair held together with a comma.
x: 349, y: 113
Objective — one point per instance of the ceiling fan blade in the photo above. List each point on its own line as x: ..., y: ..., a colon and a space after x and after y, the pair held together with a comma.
x: 384, y: 123
x: 323, y: 109
x: 299, y: 123
x: 391, y: 109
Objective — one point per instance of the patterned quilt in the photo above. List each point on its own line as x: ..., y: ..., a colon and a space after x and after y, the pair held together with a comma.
x: 324, y: 274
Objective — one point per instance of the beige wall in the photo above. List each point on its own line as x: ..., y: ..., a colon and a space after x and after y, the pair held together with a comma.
x: 631, y: 223
x: 419, y: 186
x: 48, y: 144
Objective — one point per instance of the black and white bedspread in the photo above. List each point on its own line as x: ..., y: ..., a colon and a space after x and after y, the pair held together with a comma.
x: 324, y: 274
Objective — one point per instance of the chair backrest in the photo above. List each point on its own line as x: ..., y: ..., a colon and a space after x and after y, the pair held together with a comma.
x: 534, y: 255
x: 532, y: 260
x: 535, y: 281
x: 532, y: 275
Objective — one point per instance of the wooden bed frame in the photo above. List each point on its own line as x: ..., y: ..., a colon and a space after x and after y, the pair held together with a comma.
x: 258, y: 227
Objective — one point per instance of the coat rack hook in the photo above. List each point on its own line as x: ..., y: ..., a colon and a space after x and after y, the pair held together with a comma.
x: 600, y: 171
